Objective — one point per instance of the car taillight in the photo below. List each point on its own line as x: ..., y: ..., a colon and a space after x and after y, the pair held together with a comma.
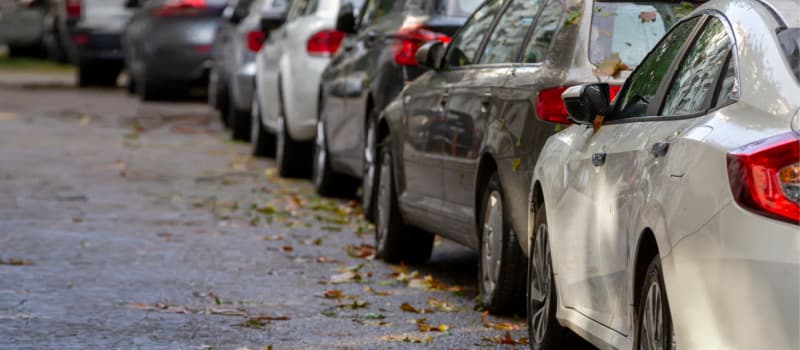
x: 175, y: 8
x: 255, y: 40
x: 550, y: 107
x: 765, y: 177
x: 613, y: 90
x: 80, y: 39
x: 324, y: 42
x: 409, y: 40
x: 73, y: 8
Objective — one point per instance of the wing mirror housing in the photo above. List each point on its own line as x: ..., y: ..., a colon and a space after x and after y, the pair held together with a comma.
x: 346, y: 19
x: 585, y: 102
x: 132, y: 4
x: 431, y: 54
x: 271, y: 21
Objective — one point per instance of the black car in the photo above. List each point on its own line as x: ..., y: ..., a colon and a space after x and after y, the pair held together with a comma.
x: 88, y: 33
x: 459, y: 145
x: 375, y: 62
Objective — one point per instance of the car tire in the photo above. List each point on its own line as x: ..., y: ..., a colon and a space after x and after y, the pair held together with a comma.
x: 292, y: 157
x: 147, y: 89
x: 654, y: 321
x: 369, y: 167
x: 97, y: 74
x: 501, y: 276
x: 544, y: 331
x: 263, y: 141
x: 239, y: 122
x: 326, y: 181
x: 396, y: 242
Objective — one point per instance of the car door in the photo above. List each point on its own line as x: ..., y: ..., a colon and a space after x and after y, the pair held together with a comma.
x: 476, y: 106
x: 426, y: 127
x: 269, y: 65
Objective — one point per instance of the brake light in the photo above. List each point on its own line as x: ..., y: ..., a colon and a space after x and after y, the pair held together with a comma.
x: 73, y: 8
x: 409, y: 40
x: 613, y: 91
x: 325, y: 42
x: 175, y: 8
x: 765, y: 177
x: 550, y: 107
x: 80, y: 39
x: 255, y: 40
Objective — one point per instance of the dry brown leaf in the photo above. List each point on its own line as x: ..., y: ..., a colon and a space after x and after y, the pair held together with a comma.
x: 362, y: 251
x: 273, y: 238
x: 333, y: 294
x: 503, y: 326
x: 424, y: 326
x: 16, y: 262
x: 345, y: 277
x: 505, y: 339
x: 441, y: 305
x: 407, y: 338
x: 371, y: 290
x: 287, y: 248
x: 611, y: 67
x: 648, y: 16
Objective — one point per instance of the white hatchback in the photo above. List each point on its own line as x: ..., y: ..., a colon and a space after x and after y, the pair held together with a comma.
x: 670, y: 219
x: 288, y: 71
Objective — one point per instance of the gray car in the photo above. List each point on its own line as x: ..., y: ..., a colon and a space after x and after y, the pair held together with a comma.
x: 459, y: 144
x: 22, y: 26
x: 167, y: 45
x: 232, y: 77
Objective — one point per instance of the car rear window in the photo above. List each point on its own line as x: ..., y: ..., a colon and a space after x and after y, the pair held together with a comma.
x: 627, y: 31
x: 790, y: 43
x: 457, y: 8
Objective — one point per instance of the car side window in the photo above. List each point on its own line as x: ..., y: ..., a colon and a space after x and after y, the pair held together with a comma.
x: 695, y: 82
x: 298, y: 8
x: 643, y: 84
x: 464, y: 47
x: 509, y: 34
x: 375, y: 9
x: 545, y: 29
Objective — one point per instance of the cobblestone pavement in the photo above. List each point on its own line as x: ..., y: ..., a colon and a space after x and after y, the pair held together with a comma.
x: 141, y: 226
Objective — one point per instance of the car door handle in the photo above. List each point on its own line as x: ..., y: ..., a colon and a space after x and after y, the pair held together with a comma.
x: 660, y: 149
x: 598, y: 159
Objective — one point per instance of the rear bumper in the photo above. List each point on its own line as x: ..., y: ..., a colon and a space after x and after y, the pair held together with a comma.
x: 23, y: 27
x: 180, y: 63
x: 86, y: 46
x: 736, y: 284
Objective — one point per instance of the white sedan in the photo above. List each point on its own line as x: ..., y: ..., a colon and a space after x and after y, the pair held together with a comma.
x: 671, y: 218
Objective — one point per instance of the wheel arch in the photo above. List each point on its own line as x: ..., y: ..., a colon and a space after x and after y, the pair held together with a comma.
x: 487, y: 165
x: 646, y: 249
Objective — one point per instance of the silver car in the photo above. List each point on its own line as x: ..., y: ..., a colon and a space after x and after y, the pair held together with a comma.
x: 22, y: 26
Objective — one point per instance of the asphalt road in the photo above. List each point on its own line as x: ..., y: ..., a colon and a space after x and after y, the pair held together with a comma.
x: 141, y: 226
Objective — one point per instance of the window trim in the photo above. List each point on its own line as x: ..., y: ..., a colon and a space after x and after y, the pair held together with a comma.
x: 529, y: 36
x: 660, y: 97
x: 481, y: 47
x: 525, y: 39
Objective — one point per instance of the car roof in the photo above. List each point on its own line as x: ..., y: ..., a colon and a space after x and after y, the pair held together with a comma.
x: 789, y: 10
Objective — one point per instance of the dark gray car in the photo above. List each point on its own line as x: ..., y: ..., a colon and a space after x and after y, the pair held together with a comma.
x: 167, y: 45
x: 459, y: 144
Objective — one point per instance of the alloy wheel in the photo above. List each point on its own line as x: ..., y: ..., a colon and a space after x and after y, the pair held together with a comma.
x: 384, y: 202
x: 320, y: 154
x: 652, y: 335
x: 541, y: 285
x: 281, y: 140
x: 492, y: 249
x: 368, y: 178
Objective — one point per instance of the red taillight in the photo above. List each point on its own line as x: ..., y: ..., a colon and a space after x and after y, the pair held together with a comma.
x: 80, y: 39
x: 182, y: 8
x: 325, y: 42
x: 255, y: 40
x: 409, y: 40
x: 550, y: 107
x: 765, y: 177
x: 73, y: 8
x: 613, y: 90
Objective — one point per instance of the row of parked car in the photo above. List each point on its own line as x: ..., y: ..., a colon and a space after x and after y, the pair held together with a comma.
x: 629, y: 170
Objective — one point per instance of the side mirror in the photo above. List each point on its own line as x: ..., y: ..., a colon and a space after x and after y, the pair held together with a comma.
x: 271, y: 21
x: 346, y: 19
x: 585, y: 102
x: 431, y: 54
x: 132, y: 4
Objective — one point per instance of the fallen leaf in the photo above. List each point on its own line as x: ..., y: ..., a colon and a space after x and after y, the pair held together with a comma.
x: 273, y: 238
x: 362, y: 251
x: 646, y: 16
x: 16, y: 262
x: 287, y: 248
x: 355, y: 305
x: 326, y: 260
x: 409, y: 308
x: 407, y: 338
x: 424, y: 326
x: 333, y: 294
x: 441, y: 305
x: 503, y: 326
x: 369, y: 289
x: 345, y: 277
x: 611, y: 67
x: 505, y: 339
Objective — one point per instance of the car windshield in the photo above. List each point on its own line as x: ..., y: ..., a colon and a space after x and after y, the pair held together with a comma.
x: 627, y: 31
x: 458, y: 8
x: 790, y: 42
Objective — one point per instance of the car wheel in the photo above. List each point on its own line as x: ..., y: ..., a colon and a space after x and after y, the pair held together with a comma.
x: 501, y: 258
x: 291, y: 156
x: 654, y: 329
x: 394, y: 241
x: 263, y: 141
x: 239, y: 122
x: 544, y: 331
x: 328, y: 182
x: 130, y: 85
x: 369, y: 171
x: 97, y: 74
x: 147, y: 89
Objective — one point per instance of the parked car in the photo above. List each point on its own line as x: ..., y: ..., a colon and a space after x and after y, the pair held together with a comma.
x: 377, y: 61
x: 167, y: 45
x: 22, y: 26
x: 669, y: 219
x: 459, y: 144
x: 87, y: 33
x: 289, y: 68
x: 236, y: 42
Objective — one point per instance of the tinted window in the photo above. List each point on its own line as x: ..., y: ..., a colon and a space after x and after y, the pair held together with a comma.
x: 697, y: 76
x: 790, y: 43
x: 375, y: 9
x: 297, y: 9
x: 630, y: 30
x: 509, y: 34
x: 539, y: 44
x: 643, y: 84
x: 465, y: 45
